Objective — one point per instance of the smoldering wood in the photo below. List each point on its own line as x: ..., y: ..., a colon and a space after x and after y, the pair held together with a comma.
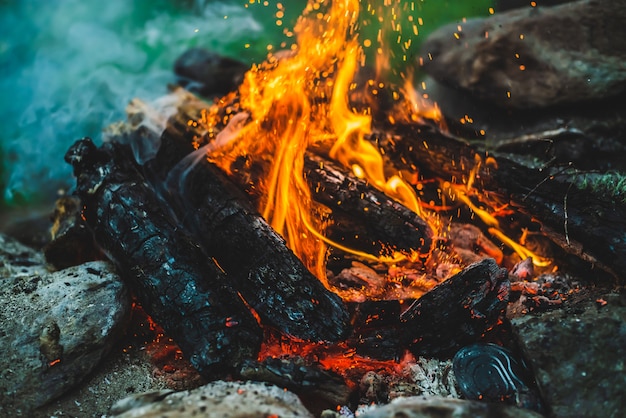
x: 318, y: 388
x: 354, y: 201
x: 72, y: 242
x: 174, y: 280
x: 377, y: 329
x: 456, y: 312
x: 589, y: 222
x: 360, y: 207
x: 256, y: 260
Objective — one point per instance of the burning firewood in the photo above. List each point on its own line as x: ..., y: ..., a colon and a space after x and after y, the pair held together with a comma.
x: 584, y: 220
x: 176, y: 282
x: 458, y: 311
x: 353, y: 200
x: 355, y: 204
x: 256, y: 259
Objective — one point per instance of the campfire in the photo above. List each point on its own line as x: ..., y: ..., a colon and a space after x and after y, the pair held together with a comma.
x: 301, y: 137
x: 324, y: 221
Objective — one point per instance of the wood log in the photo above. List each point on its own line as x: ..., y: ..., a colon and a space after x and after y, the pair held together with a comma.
x: 354, y: 201
x: 584, y: 220
x: 455, y: 313
x: 356, y: 205
x: 174, y: 280
x: 458, y: 311
x: 257, y: 260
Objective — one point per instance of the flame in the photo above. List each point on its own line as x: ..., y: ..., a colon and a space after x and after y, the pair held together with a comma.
x: 299, y: 99
x: 296, y: 100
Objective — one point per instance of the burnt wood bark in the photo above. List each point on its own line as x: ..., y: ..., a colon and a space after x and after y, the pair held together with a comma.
x: 257, y: 260
x: 361, y: 207
x: 356, y: 202
x: 175, y: 281
x: 586, y: 221
x: 455, y: 313
x: 458, y: 311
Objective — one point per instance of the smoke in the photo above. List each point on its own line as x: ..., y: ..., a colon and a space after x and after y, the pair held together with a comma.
x: 70, y: 67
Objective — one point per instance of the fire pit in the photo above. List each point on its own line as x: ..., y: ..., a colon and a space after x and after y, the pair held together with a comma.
x: 331, y: 232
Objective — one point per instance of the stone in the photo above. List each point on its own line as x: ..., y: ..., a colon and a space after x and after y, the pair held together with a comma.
x: 208, y: 73
x: 55, y: 327
x: 219, y: 399
x: 535, y: 57
x: 578, y: 355
x: 437, y: 407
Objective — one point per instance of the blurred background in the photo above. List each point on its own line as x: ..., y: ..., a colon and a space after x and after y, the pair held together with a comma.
x: 69, y: 68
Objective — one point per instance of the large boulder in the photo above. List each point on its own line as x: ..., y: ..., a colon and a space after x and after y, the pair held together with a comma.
x: 535, y: 57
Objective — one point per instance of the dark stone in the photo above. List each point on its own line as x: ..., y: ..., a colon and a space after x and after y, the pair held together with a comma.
x: 577, y: 354
x: 535, y: 57
x: 207, y: 73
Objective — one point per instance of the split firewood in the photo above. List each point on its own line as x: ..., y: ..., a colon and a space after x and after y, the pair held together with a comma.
x: 256, y: 260
x: 355, y: 204
x: 175, y: 281
x: 474, y: 300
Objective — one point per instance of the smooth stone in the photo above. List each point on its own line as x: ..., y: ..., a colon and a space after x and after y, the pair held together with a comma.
x: 55, y: 327
x: 219, y: 399
x: 578, y: 355
x: 534, y: 57
x: 438, y: 407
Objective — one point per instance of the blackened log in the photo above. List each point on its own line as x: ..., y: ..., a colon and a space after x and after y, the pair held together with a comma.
x: 257, y: 260
x: 175, y: 281
x: 456, y: 312
x: 587, y: 221
x: 381, y: 218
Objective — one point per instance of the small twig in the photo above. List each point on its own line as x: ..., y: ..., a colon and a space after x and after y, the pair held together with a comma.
x: 551, y: 176
x: 565, y: 213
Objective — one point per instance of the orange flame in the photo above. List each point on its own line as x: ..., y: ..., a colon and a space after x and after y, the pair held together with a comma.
x: 299, y: 99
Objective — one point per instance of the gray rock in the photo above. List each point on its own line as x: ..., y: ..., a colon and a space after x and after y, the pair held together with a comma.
x: 218, y: 399
x: 535, y: 57
x: 55, y: 327
x: 436, y: 407
x: 578, y: 356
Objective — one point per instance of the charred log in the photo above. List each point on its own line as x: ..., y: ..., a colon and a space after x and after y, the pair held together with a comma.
x: 318, y: 388
x: 456, y: 312
x: 175, y: 281
x: 354, y: 201
x: 257, y: 260
x: 358, y: 207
